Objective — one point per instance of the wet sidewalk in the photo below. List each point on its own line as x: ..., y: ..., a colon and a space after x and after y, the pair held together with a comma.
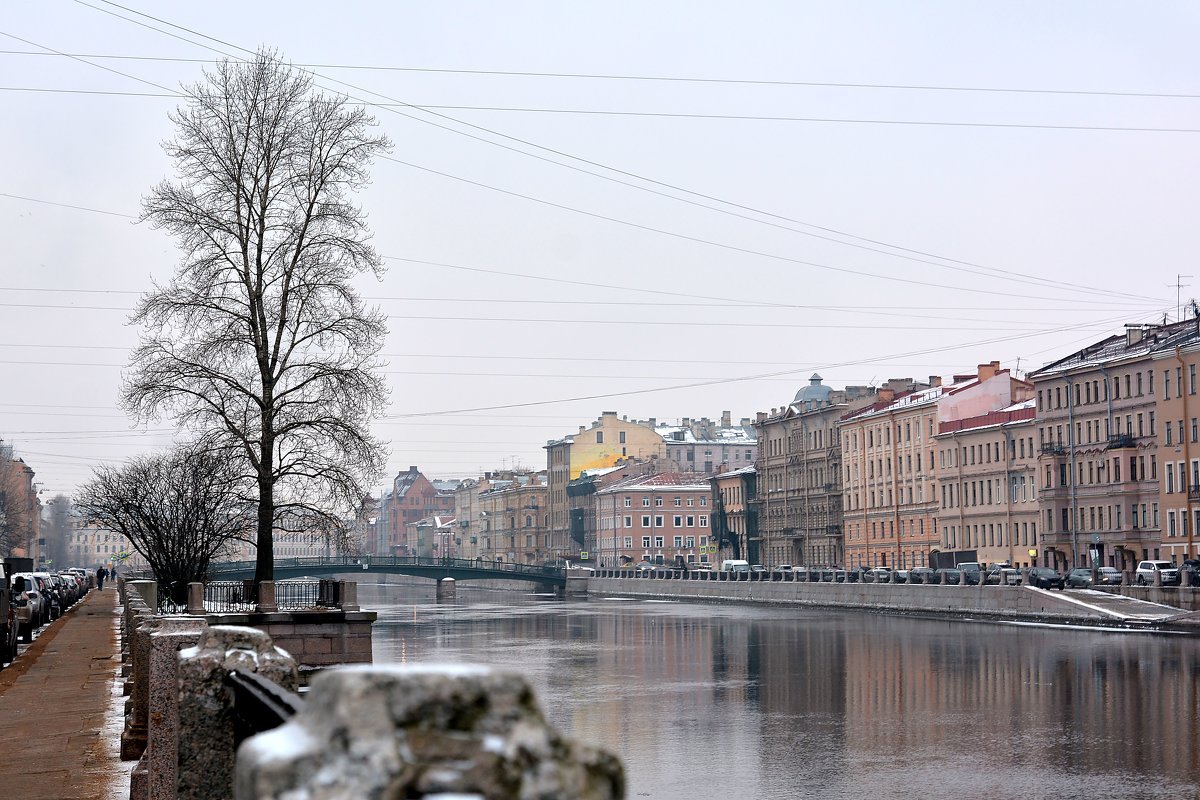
x: 60, y: 708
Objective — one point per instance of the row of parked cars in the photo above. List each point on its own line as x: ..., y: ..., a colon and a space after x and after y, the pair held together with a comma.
x: 34, y: 599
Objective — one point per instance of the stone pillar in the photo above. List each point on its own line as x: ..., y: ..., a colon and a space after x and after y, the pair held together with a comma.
x: 266, y: 598
x: 154, y: 776
x: 446, y: 590
x: 1157, y: 578
x: 205, y: 762
x: 195, y: 598
x: 349, y: 594
x: 147, y: 590
x: 1024, y: 579
x: 962, y: 578
x: 419, y: 731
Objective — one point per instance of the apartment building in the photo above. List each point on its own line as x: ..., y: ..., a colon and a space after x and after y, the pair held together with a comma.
x: 1099, y: 437
x: 656, y: 518
x: 412, y: 497
x: 987, y: 486
x: 891, y: 504
x: 705, y: 446
x: 607, y: 442
x: 799, y: 501
x: 734, y: 516
x: 513, y: 518
x: 1178, y: 409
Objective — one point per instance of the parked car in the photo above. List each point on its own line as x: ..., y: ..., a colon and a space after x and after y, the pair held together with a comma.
x: 878, y: 574
x: 757, y: 568
x: 53, y: 594
x: 1189, y: 572
x: 1146, y: 569
x: 1110, y: 576
x: 1046, y: 578
x: 28, y: 601
x: 783, y: 568
x: 920, y: 575
x: 971, y: 571
x: 948, y: 575
x: 1079, y: 578
x: 8, y: 620
x: 900, y: 576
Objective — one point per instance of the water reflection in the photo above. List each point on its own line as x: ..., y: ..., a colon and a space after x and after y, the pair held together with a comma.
x: 719, y: 700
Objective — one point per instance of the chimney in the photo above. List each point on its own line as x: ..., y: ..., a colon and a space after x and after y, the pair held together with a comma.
x: 687, y: 422
x: 608, y: 413
x: 652, y: 422
x: 761, y: 416
x: 413, y: 469
x: 935, y: 381
x: 886, y: 395
x: 726, y: 419
x: 988, y: 370
x: 1133, y: 334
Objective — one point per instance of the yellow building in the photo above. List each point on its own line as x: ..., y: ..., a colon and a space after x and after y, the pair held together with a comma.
x: 608, y: 442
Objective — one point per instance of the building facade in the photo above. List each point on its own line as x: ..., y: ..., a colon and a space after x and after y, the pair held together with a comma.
x: 412, y: 497
x: 799, y: 502
x: 608, y: 442
x: 735, y: 515
x: 987, y: 486
x: 1177, y: 431
x: 657, y: 518
x: 1099, y: 445
x: 891, y: 504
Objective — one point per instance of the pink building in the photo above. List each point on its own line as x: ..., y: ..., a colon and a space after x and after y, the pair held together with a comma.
x: 656, y: 518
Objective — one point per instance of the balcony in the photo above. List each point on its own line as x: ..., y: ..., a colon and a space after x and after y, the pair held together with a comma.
x: 1120, y: 442
x: 1194, y: 494
x: 1053, y: 449
x: 833, y: 530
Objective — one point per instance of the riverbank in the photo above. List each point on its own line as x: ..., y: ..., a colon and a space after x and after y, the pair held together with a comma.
x: 1012, y: 603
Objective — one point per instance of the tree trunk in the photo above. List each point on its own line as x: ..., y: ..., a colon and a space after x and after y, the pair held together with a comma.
x: 264, y: 565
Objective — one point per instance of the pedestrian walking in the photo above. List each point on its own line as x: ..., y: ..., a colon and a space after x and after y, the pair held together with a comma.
x: 100, y: 573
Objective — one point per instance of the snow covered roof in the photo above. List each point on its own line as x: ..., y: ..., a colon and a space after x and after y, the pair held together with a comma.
x: 679, y: 481
x: 1135, y: 342
x: 750, y: 470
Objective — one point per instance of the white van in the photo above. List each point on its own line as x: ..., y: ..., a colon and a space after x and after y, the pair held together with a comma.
x: 735, y: 565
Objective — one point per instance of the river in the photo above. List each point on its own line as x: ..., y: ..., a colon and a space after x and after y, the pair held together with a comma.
x: 743, y: 701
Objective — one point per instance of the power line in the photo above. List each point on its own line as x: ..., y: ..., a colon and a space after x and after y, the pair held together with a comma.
x: 963, y: 266
x: 662, y: 78
x: 676, y: 114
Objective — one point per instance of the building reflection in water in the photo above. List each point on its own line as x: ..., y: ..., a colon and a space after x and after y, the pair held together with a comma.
x: 710, y: 701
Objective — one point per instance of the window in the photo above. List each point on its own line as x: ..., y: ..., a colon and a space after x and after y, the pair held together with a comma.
x: 628, y: 502
x: 645, y: 502
x: 678, y: 541
x: 690, y: 501
x: 646, y: 522
x: 703, y: 521
x: 678, y: 502
x: 628, y: 522
x: 703, y: 501
x: 691, y: 521
x: 658, y: 522
x: 629, y: 542
x: 658, y: 502
x: 621, y: 437
x: 599, y: 437
x: 678, y: 521
x: 645, y: 541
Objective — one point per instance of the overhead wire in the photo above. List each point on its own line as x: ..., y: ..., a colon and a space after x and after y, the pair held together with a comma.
x: 962, y: 265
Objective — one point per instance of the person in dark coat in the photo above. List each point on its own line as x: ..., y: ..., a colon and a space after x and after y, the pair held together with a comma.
x: 100, y: 574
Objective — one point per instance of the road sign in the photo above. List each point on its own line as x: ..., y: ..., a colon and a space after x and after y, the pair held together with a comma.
x: 583, y: 555
x: 1095, y: 538
x: 1032, y: 553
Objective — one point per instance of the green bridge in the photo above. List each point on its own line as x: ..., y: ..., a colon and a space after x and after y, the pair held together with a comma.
x: 460, y: 569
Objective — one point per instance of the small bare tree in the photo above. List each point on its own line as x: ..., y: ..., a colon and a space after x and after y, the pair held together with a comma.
x: 180, y: 510
x: 260, y: 345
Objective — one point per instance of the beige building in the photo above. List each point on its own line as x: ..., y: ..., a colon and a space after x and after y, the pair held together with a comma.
x: 1099, y: 440
x: 1177, y: 364
x: 512, y: 524
x: 891, y: 504
x: 608, y: 442
x: 799, y: 500
x: 987, y: 485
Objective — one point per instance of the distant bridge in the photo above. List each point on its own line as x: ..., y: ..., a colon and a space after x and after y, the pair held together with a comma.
x: 460, y: 569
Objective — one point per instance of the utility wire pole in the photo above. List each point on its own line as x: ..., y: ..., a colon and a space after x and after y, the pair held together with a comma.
x: 1179, y: 286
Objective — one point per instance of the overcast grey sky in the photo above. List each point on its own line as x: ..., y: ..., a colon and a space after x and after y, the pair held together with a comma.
x: 704, y: 246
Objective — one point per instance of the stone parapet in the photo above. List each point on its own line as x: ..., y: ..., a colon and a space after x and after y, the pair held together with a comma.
x: 313, y: 638
x: 422, y: 731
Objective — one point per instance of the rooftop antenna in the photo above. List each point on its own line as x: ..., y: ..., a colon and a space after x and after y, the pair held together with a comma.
x: 1179, y: 286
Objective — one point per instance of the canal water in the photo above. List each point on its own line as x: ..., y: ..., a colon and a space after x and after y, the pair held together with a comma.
x: 743, y: 701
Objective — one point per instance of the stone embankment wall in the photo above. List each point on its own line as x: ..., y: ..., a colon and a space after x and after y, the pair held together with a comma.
x: 1004, y: 602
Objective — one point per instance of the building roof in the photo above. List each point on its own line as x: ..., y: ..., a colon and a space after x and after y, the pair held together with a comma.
x: 681, y: 481
x: 815, y: 392
x: 1138, y: 340
x: 733, y: 473
x: 913, y: 399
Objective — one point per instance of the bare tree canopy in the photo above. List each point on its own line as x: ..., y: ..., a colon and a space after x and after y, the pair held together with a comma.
x: 260, y: 345
x: 179, y: 510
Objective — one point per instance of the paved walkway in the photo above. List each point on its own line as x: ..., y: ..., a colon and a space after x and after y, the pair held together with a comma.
x: 60, y: 708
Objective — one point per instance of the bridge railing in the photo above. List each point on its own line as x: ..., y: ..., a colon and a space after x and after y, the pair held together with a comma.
x: 368, y: 562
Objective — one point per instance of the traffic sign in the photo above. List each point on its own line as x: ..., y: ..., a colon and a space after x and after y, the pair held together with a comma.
x: 583, y: 555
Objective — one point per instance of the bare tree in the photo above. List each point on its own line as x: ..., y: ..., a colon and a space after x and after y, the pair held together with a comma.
x: 260, y: 344
x: 179, y: 509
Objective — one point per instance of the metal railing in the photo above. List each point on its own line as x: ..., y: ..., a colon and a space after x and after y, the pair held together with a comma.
x: 290, y: 595
x: 364, y: 562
